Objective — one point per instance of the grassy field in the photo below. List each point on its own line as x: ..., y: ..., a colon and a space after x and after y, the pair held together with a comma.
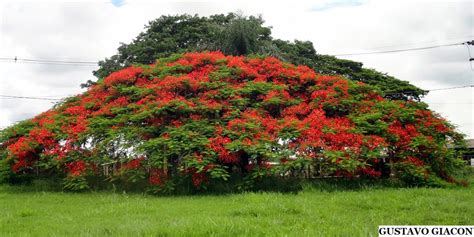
x: 312, y: 212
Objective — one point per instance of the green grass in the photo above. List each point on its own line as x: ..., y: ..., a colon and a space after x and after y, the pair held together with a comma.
x: 312, y: 212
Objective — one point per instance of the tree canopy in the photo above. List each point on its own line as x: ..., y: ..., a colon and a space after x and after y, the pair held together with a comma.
x: 207, y: 117
x: 233, y: 34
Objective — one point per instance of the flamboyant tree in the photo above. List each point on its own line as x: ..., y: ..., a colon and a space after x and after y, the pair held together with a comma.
x: 207, y: 116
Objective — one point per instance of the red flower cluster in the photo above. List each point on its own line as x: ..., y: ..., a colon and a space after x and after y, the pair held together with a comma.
x: 124, y: 76
x: 76, y: 168
x: 157, y: 177
x: 369, y: 171
x: 415, y: 161
x: 24, y: 153
x: 133, y: 164
x: 217, y: 144
x: 198, y: 179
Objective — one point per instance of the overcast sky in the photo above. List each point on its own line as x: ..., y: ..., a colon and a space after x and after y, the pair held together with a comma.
x: 92, y: 30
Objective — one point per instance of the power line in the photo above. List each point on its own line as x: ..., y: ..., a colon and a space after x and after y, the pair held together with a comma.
x: 48, y: 61
x: 451, y: 88
x: 55, y: 61
x: 437, y: 89
x: 92, y: 63
x: 95, y: 63
x: 28, y: 97
x: 449, y: 103
x: 60, y: 64
x: 425, y: 42
x: 399, y: 50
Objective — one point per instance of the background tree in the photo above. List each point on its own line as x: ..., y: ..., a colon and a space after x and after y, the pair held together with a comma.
x: 235, y: 34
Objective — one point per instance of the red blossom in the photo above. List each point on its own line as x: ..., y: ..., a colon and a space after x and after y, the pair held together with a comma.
x: 157, y: 177
x: 43, y: 136
x: 127, y: 75
x: 76, y: 168
x: 415, y: 161
x: 217, y: 144
x: 369, y: 171
x: 76, y: 110
x: 133, y: 164
x: 198, y: 179
x: 23, y: 152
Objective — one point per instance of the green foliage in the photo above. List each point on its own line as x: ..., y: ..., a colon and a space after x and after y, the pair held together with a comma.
x: 76, y: 183
x: 244, y: 36
x: 393, y: 88
x: 5, y: 171
x: 413, y: 175
x: 20, y: 129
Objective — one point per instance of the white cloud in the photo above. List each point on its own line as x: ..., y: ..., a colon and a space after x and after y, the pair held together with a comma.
x: 92, y: 30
